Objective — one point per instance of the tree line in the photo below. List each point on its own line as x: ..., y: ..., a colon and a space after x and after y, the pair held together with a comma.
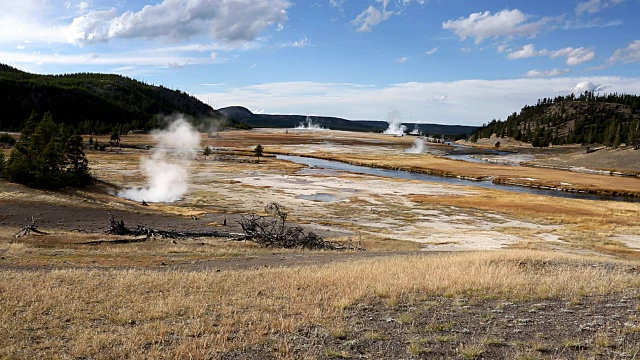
x: 47, y: 155
x: 609, y: 119
x: 94, y: 103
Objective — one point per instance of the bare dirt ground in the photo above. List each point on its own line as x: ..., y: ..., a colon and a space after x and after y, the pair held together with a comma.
x: 468, y: 328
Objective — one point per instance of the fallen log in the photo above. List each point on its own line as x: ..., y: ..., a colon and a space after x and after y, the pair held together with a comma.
x: 118, y: 228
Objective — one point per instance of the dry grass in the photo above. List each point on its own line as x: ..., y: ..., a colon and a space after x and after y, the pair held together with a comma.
x: 147, y: 314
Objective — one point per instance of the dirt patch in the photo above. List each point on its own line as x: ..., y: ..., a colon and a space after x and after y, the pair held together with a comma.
x: 467, y: 328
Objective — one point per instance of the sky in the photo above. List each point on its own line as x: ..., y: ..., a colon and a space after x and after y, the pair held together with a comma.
x: 426, y: 61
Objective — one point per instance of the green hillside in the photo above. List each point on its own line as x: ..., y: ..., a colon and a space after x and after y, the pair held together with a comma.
x: 91, y: 102
x: 610, y: 119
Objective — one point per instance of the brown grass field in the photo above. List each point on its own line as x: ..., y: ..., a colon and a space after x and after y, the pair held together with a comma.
x: 450, y: 271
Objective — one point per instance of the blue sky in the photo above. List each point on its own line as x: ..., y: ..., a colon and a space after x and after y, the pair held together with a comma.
x: 453, y: 61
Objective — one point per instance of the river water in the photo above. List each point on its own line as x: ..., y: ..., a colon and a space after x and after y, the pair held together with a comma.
x: 398, y: 174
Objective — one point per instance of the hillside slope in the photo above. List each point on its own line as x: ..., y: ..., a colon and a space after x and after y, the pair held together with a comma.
x: 101, y: 100
x: 609, y: 119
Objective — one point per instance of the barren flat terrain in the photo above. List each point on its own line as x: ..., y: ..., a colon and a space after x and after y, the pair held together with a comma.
x: 450, y: 270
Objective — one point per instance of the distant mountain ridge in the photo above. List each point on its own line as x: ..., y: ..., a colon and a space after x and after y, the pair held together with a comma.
x: 244, y: 115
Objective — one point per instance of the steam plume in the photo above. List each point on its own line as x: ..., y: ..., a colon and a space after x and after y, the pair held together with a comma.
x: 417, y: 148
x: 167, y: 168
x: 395, y: 124
x: 309, y: 125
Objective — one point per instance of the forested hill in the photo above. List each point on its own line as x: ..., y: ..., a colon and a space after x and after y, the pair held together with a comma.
x: 244, y: 115
x: 91, y: 102
x: 610, y: 119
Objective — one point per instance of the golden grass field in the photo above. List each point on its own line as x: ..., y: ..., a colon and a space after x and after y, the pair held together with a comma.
x: 215, y: 298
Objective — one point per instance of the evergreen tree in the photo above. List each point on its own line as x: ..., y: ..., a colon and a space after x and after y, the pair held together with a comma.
x: 49, y: 157
x: 258, y: 151
x: 207, y: 151
x: 617, y: 139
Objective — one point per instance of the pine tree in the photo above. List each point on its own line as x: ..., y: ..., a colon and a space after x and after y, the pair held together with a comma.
x: 207, y: 151
x: 618, y: 139
x: 48, y: 157
x: 258, y: 151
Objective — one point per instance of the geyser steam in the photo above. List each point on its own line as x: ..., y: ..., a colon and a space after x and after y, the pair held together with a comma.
x: 167, y: 168
x: 417, y: 148
x: 395, y: 124
x: 309, y: 125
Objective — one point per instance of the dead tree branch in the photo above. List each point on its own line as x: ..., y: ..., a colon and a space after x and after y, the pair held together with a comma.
x: 274, y: 232
x: 118, y: 228
x: 31, y: 228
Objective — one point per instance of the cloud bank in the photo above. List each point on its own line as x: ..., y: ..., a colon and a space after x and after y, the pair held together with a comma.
x: 468, y: 102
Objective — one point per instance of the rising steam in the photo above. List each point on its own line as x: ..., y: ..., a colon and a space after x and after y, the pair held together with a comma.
x: 309, y: 125
x: 167, y: 168
x: 417, y: 148
x: 395, y: 124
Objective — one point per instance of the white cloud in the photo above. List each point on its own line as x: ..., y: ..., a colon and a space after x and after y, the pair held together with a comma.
x: 630, y: 54
x: 371, y: 17
x: 506, y: 23
x: 573, y: 56
x: 469, y: 102
x: 228, y: 21
x: 337, y: 4
x: 302, y: 43
x: 583, y: 86
x: 126, y: 59
x: 594, y: 6
x: 547, y: 73
x: 526, y: 51
x: 402, y: 60
x: 20, y: 47
x: 431, y: 52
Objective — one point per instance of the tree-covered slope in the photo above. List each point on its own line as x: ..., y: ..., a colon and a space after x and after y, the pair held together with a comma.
x: 96, y: 100
x: 609, y: 119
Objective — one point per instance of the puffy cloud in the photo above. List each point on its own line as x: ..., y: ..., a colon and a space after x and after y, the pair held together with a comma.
x: 547, y: 73
x: 574, y: 56
x: 371, y: 17
x: 484, y: 25
x: 627, y: 55
x: 583, y: 86
x: 594, y: 6
x: 526, y: 51
x: 402, y: 60
x: 229, y: 21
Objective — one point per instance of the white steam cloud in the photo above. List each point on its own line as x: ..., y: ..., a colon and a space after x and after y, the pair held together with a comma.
x: 395, y: 124
x: 309, y: 125
x: 417, y: 147
x: 167, y: 168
